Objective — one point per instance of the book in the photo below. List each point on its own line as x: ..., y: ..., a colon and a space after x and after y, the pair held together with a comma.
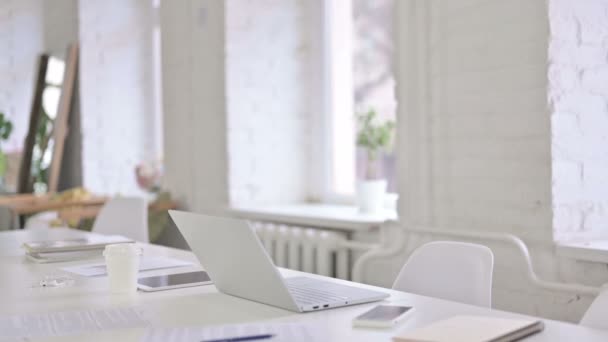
x: 81, y: 244
x: 473, y: 329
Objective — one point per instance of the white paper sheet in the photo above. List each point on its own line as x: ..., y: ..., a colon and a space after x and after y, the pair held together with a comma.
x: 288, y: 332
x: 63, y: 323
x: 147, y: 263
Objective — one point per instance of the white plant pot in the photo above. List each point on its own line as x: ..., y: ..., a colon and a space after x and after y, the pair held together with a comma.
x: 371, y: 195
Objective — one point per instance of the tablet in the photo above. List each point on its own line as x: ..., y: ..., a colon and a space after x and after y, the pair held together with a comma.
x: 173, y: 281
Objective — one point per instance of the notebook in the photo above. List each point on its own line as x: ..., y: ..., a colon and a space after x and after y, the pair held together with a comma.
x: 88, y: 243
x: 473, y: 329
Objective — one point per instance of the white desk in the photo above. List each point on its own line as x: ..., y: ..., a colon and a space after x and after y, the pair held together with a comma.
x: 204, y: 305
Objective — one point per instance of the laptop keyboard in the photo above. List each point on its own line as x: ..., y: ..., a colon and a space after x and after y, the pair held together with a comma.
x: 307, y: 291
x: 312, y: 296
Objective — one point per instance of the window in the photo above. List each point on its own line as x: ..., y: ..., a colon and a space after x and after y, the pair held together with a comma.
x: 358, y: 76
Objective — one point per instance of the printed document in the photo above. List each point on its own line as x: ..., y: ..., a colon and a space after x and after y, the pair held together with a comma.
x: 69, y: 323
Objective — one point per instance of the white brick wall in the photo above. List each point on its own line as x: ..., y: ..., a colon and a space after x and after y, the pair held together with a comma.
x: 578, y: 95
x: 60, y: 25
x: 269, y: 93
x: 117, y: 87
x: 21, y: 40
x: 487, y: 119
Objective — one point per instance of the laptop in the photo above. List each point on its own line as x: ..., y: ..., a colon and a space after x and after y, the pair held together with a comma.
x: 238, y: 264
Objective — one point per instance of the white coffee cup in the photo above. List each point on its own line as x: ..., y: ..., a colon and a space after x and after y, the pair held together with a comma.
x: 122, y: 265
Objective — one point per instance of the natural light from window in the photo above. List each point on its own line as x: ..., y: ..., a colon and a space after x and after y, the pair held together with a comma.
x: 359, y: 75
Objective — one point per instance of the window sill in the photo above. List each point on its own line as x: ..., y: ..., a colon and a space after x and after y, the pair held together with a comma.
x: 593, y: 251
x: 339, y: 217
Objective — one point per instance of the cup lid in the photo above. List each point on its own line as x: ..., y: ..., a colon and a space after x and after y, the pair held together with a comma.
x: 122, y: 249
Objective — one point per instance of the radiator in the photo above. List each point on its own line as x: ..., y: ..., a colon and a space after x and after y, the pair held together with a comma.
x: 310, y: 250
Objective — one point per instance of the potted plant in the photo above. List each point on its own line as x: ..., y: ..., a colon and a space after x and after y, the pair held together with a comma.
x: 375, y: 138
x: 6, y: 127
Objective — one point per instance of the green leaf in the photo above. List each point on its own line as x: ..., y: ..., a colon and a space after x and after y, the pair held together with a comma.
x: 6, y: 127
x: 373, y: 136
x: 3, y: 163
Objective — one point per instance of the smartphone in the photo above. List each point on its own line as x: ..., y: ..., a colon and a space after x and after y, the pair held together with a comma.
x: 383, y: 316
x: 173, y: 281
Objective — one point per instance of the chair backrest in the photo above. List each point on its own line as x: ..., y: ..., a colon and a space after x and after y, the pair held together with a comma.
x: 449, y: 270
x: 41, y: 220
x: 126, y: 216
x: 597, y: 314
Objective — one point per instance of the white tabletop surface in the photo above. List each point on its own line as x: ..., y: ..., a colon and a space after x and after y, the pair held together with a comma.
x: 204, y: 305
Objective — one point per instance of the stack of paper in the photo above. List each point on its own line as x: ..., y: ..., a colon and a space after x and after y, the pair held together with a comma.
x: 473, y: 329
x: 73, y: 249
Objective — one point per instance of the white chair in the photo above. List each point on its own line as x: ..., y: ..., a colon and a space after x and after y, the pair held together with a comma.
x: 597, y: 314
x: 41, y: 220
x: 126, y: 216
x: 456, y: 271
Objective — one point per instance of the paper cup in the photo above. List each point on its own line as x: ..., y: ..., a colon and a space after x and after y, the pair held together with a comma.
x: 122, y: 265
